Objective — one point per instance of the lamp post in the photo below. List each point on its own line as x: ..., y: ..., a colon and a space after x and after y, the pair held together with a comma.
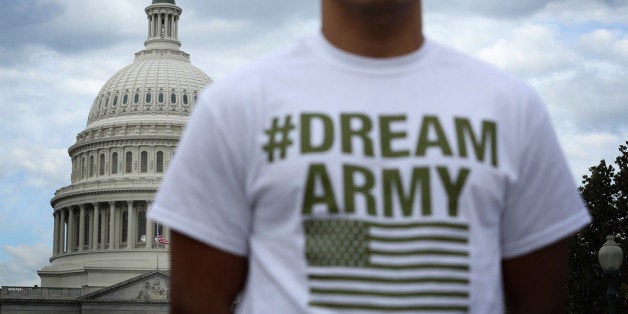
x: 611, y: 256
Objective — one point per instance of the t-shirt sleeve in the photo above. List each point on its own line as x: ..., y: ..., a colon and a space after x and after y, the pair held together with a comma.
x: 543, y: 204
x: 202, y: 194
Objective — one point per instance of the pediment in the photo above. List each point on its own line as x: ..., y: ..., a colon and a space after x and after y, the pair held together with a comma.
x: 150, y: 287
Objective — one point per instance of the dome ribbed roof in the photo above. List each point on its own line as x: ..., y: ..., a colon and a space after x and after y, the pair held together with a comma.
x: 161, y: 86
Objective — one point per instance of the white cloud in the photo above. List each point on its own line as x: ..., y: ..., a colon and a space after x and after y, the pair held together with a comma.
x: 46, y: 168
x: 220, y: 26
x: 582, y: 11
x: 20, y: 268
x: 605, y: 43
x: 498, y: 9
x: 591, y: 95
x: 585, y: 149
x: 87, y: 87
x: 222, y: 59
x: 530, y: 51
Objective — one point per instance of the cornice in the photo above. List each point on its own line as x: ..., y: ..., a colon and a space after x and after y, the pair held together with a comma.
x: 97, y: 187
x: 162, y: 52
x: 133, y: 110
x: 137, y: 140
x: 151, y: 251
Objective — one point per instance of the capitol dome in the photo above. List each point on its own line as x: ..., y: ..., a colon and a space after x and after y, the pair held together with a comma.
x: 101, y: 233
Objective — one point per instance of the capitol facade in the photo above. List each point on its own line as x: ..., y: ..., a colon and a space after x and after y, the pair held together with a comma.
x: 102, y: 238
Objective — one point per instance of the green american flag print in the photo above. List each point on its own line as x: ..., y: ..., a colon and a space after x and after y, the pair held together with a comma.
x: 356, y: 265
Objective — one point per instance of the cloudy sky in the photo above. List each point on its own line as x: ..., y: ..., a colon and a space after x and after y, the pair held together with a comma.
x: 56, y: 54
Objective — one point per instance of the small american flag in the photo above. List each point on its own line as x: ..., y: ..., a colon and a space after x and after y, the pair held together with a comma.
x: 161, y: 239
x: 386, y: 267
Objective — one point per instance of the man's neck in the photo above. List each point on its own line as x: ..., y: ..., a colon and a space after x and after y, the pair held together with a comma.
x: 377, y: 29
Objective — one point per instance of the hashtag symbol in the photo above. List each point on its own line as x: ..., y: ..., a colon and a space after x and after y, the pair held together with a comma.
x: 282, y: 142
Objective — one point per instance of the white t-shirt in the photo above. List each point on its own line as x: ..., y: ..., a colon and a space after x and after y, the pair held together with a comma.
x: 354, y: 184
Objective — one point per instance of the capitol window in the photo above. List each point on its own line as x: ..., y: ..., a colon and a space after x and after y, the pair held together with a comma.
x: 136, y: 98
x: 91, y: 166
x: 100, y: 221
x: 149, y: 98
x: 144, y: 161
x: 173, y: 98
x: 114, y: 163
x: 129, y: 162
x: 160, y: 98
x: 86, y: 231
x: 101, y: 165
x: 160, y: 162
x: 141, y: 226
x: 75, y: 233
x: 125, y: 99
x: 125, y: 225
x: 185, y: 99
x: 115, y: 101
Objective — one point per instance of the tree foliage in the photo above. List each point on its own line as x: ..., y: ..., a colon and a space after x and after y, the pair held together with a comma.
x: 605, y: 192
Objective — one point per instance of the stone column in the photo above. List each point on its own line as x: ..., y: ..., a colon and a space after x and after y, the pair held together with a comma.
x: 151, y: 26
x: 158, y: 25
x: 62, y: 232
x: 150, y: 235
x: 55, y: 236
x: 172, y: 25
x: 70, y: 239
x: 131, y: 227
x: 155, y: 33
x: 103, y: 232
x: 164, y: 20
x: 112, y: 214
x: 81, y: 235
x: 95, y: 214
x: 149, y: 23
x: 166, y: 25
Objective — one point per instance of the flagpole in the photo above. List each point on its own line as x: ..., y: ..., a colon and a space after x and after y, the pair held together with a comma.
x: 160, y: 239
x: 157, y: 251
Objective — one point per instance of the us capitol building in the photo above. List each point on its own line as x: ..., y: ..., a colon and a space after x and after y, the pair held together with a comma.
x: 105, y: 255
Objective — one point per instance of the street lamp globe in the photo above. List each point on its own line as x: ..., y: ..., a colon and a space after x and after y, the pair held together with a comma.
x: 610, y: 255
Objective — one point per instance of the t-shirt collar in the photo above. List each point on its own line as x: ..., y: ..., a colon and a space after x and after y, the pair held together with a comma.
x: 355, y: 62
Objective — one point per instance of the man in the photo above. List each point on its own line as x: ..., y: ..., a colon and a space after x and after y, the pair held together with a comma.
x: 366, y: 169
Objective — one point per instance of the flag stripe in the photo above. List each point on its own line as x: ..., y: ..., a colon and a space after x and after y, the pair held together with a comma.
x: 403, y: 280
x: 456, y: 267
x: 391, y: 308
x: 408, y: 294
x: 448, y: 225
x: 161, y: 239
x: 419, y: 252
x: 419, y: 238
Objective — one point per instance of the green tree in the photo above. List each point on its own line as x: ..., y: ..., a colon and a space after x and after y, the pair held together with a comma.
x: 605, y: 192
